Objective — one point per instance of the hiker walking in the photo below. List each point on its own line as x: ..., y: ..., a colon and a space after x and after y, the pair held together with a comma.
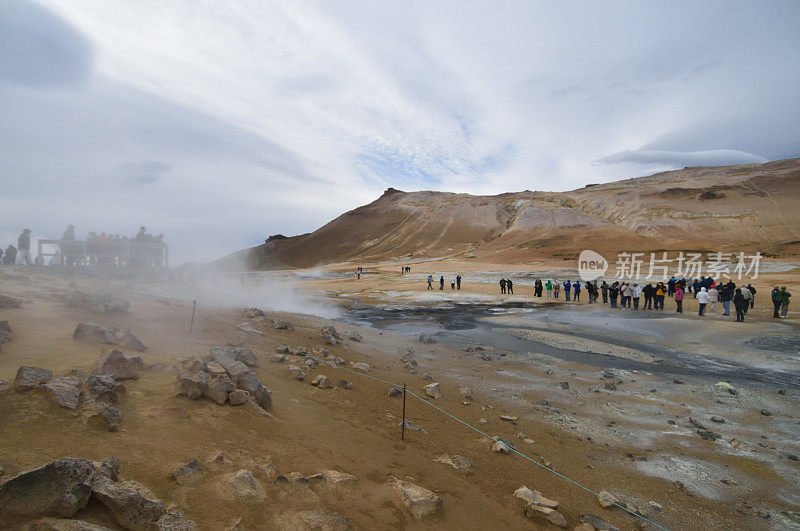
x: 509, y: 287
x: 430, y: 281
x: 725, y: 297
x: 441, y: 283
x: 502, y: 286
x: 713, y: 297
x: 458, y: 282
x: 747, y: 295
x: 777, y: 298
x: 24, y: 247
x: 752, y: 291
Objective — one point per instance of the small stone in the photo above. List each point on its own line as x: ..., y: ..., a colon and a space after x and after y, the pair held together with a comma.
x: 277, y: 358
x: 609, y: 373
x: 419, y: 500
x: 509, y: 418
x: 792, y: 457
x: 718, y: 420
x: 597, y: 523
x: 360, y: 367
x: 184, y: 472
x: 246, y: 486
x: 483, y: 421
x: 678, y: 381
x: 781, y: 391
x: 459, y: 462
x: 283, y: 325
x: 709, y: 435
x: 344, y: 384
x: 426, y: 338
x: 501, y: 447
x: 546, y: 513
x: 607, y: 499
x: 766, y: 412
x: 325, y: 520
x: 334, y: 477
x: 322, y: 381
x: 466, y: 394
x: 611, y: 386
x: 295, y: 373
x: 414, y: 427
x: 433, y: 390
x: 535, y: 497
x: 563, y: 385
x: 397, y: 393
x: 355, y: 336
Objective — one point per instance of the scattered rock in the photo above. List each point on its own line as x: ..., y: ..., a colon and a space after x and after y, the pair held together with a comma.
x: 344, y: 384
x: 61, y: 487
x: 31, y: 378
x: 227, y: 359
x: 419, y: 500
x: 246, y: 486
x: 98, y: 302
x: 766, y: 412
x: 675, y: 381
x: 322, y: 381
x: 334, y: 477
x: 250, y: 383
x: 119, y: 366
x: 459, y: 462
x: 246, y: 356
x: 192, y: 386
x: 397, y: 393
x: 597, y: 523
x: 708, y: 435
x: 611, y: 386
x: 509, y: 418
x: 237, y: 397
x: 330, y: 335
x: 414, y: 427
x: 563, y: 385
x: 65, y: 391
x: 325, y: 520
x: 104, y: 387
x: 535, y: 497
x: 101, y: 416
x: 466, y: 394
x: 501, y: 447
x: 185, y: 472
x: 433, y: 390
x: 426, y: 338
x: 219, y: 388
x: 609, y: 373
x: 295, y: 373
x: 725, y: 386
x: 355, y: 336
x: 133, y: 506
x: 9, y: 302
x: 215, y: 369
x: 360, y: 366
x: 283, y: 325
x: 792, y: 457
x: 607, y: 499
x: 278, y: 358
x: 718, y: 420
x: 546, y: 513
x: 173, y: 520
x: 253, y: 313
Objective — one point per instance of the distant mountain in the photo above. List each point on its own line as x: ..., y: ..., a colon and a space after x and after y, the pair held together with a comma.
x: 736, y: 208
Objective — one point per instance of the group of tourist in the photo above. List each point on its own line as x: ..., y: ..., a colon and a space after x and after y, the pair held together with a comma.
x: 23, y: 249
x: 455, y: 282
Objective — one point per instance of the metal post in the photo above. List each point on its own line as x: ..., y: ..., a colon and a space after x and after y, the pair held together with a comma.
x: 403, y: 430
x: 194, y: 306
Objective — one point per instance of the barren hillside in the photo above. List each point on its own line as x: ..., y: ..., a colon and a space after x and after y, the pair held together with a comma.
x: 744, y: 208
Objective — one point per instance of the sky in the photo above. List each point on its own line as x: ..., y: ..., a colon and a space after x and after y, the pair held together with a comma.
x: 221, y: 123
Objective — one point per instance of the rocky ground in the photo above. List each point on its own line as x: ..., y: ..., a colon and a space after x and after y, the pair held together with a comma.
x: 155, y: 439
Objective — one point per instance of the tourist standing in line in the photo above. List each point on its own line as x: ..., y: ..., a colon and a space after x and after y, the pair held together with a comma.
x: 441, y: 283
x: 637, y: 293
x: 678, y: 298
x: 752, y: 291
x: 548, y: 287
x: 604, y: 289
x: 576, y: 290
x: 567, y: 287
x: 556, y: 288
x: 746, y: 295
x: 702, y: 300
x: 613, y: 292
x: 725, y: 297
x: 785, y: 296
x: 24, y: 247
x: 661, y: 291
x: 458, y: 282
x: 739, y: 303
x: 776, y: 302
x: 713, y: 297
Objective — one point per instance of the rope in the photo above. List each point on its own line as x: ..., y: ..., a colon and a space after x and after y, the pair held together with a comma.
x: 468, y: 425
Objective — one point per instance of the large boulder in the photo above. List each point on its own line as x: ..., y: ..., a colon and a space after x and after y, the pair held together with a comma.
x: 5, y: 332
x: 58, y: 488
x: 31, y: 378
x: 101, y: 416
x: 249, y: 382
x: 104, y: 387
x: 419, y: 500
x: 65, y: 391
x: 192, y: 386
x: 9, y: 302
x: 219, y: 387
x: 330, y: 335
x: 94, y: 333
x: 119, y: 366
x: 133, y: 506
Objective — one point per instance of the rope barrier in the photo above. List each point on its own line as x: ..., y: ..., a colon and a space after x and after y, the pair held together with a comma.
x: 468, y: 425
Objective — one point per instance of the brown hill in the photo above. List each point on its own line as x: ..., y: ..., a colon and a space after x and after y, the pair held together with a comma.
x: 743, y: 208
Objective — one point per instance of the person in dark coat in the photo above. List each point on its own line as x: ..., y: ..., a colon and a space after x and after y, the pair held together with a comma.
x: 502, y: 286
x: 753, y: 298
x: 777, y: 299
x: 604, y: 289
x: 509, y: 287
x: 613, y: 292
x: 441, y: 283
x: 738, y: 303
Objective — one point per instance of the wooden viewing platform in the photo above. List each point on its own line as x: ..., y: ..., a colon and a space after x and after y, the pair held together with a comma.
x: 106, y: 253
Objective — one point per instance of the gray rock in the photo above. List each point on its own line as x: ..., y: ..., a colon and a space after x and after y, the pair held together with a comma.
x: 414, y: 427
x: 597, y: 522
x: 31, y: 378
x: 192, y: 386
x: 330, y: 335
x: 227, y: 359
x: 218, y: 389
x: 718, y: 420
x: 545, y: 513
x: 295, y: 372
x: 355, y: 336
x: 278, y: 358
x: 322, y: 381
x: 238, y: 397
x: 708, y: 435
x: 535, y: 497
x: 395, y: 392
x: 194, y: 364
x: 563, y: 385
x: 5, y: 332
x: 9, y: 302
x: 246, y: 356
x: 173, y: 520
x: 105, y: 387
x: 611, y: 386
x: 94, y: 333
x: 419, y: 500
x: 186, y: 472
x: 250, y: 383
x: 426, y: 338
x: 131, y: 504
x: 128, y: 340
x: 246, y: 486
x: 433, y: 390
x: 766, y: 412
x: 325, y: 520
x: 101, y: 416
x: 459, y: 462
x: 62, y: 524
x: 98, y: 302
x: 283, y: 325
x: 215, y: 369
x: 337, y: 478
x: 119, y: 366
x: 344, y: 384
x: 609, y: 373
x: 61, y: 488
x: 65, y: 391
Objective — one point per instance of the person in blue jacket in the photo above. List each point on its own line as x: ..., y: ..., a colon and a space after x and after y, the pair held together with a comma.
x: 577, y: 289
x: 567, y: 286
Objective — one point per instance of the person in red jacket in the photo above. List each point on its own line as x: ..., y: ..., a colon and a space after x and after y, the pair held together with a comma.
x: 679, y: 297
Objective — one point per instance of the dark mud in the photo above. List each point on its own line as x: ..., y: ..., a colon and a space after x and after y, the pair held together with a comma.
x: 460, y: 326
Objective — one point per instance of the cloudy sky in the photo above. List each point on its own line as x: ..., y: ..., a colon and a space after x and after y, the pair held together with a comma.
x: 219, y: 123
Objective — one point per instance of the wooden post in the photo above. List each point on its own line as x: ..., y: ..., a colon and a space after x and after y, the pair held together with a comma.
x: 194, y: 306
x: 403, y: 430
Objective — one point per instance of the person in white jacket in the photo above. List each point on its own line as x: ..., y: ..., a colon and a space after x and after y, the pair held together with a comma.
x: 702, y: 300
x: 637, y: 293
x: 713, y: 297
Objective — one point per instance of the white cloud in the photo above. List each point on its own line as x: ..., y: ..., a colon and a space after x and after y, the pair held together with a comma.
x: 223, y: 122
